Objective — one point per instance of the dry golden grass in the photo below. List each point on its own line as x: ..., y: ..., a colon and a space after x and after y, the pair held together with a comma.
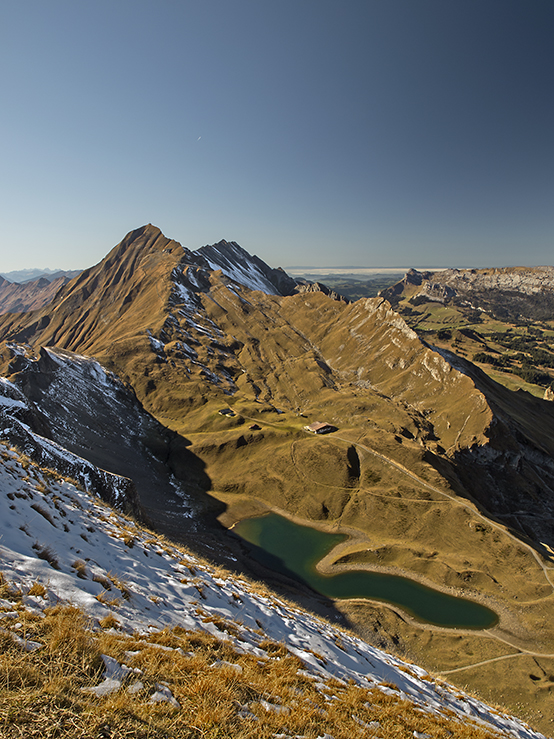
x: 37, y: 588
x: 102, y: 580
x: 7, y: 589
x: 109, y: 622
x: 41, y: 692
x: 108, y: 599
x: 120, y: 584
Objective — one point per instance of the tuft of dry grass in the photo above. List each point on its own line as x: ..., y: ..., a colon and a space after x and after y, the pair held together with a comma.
x: 273, y: 648
x: 120, y: 584
x: 8, y: 591
x: 37, y: 588
x: 81, y: 568
x: 46, y: 553
x: 101, y: 580
x: 107, y: 599
x: 109, y: 622
x: 222, y: 624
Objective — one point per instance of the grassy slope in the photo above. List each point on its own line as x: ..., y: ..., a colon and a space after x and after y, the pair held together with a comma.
x: 468, y: 338
x: 443, y: 542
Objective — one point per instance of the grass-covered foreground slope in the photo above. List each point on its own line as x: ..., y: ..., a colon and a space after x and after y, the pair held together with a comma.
x: 107, y: 630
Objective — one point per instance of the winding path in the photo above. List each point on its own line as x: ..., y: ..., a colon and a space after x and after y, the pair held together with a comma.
x: 456, y: 499
x: 520, y: 652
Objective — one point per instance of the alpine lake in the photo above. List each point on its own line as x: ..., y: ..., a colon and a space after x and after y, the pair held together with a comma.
x: 294, y: 551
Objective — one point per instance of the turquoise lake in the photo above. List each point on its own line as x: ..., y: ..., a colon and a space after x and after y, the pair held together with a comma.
x: 294, y: 550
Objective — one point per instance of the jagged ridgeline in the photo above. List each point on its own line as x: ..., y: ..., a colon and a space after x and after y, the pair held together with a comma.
x: 508, y: 293
x: 204, y: 368
x: 33, y: 293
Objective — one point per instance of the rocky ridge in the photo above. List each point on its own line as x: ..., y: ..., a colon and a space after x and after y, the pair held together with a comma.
x: 508, y: 292
x: 33, y: 294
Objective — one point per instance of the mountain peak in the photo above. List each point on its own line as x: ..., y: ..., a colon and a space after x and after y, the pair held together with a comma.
x: 247, y: 269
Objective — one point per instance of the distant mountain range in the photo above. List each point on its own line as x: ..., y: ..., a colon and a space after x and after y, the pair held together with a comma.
x: 33, y: 291
x: 25, y: 275
x: 434, y: 471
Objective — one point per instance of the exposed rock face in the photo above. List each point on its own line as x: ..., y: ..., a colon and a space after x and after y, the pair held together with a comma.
x: 26, y: 427
x: 437, y: 292
x: 525, y: 280
x: 122, y: 453
x: 304, y: 286
x: 245, y: 269
x: 507, y: 292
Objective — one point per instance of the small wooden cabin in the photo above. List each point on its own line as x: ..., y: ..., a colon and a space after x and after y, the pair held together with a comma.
x: 320, y: 428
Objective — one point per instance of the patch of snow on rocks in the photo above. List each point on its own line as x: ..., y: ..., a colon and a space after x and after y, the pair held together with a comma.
x: 157, y: 345
x: 234, y: 265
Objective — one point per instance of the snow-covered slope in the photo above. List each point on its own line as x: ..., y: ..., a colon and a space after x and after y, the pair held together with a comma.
x: 20, y: 424
x: 65, y: 400
x: 245, y: 269
x: 85, y: 553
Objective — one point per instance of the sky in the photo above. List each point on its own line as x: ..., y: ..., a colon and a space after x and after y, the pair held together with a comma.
x: 363, y: 133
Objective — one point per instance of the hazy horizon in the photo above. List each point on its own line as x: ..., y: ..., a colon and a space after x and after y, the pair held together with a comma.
x: 29, y: 274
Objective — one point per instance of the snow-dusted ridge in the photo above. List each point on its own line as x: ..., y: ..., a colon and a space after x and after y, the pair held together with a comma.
x: 17, y: 414
x: 80, y: 549
x: 236, y: 263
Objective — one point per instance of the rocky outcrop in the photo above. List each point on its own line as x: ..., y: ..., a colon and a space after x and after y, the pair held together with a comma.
x: 436, y: 292
x: 303, y: 286
x: 27, y: 429
x: 246, y: 269
x: 524, y: 280
x: 66, y: 411
x: 506, y: 292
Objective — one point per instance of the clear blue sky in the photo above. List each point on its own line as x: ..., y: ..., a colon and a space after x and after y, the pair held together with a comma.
x: 313, y: 132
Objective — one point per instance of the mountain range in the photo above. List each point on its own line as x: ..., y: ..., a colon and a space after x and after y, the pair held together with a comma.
x: 505, y: 292
x: 184, y: 380
x: 33, y: 293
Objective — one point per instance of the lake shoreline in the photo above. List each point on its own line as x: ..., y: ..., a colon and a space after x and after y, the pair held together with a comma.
x: 255, y: 508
